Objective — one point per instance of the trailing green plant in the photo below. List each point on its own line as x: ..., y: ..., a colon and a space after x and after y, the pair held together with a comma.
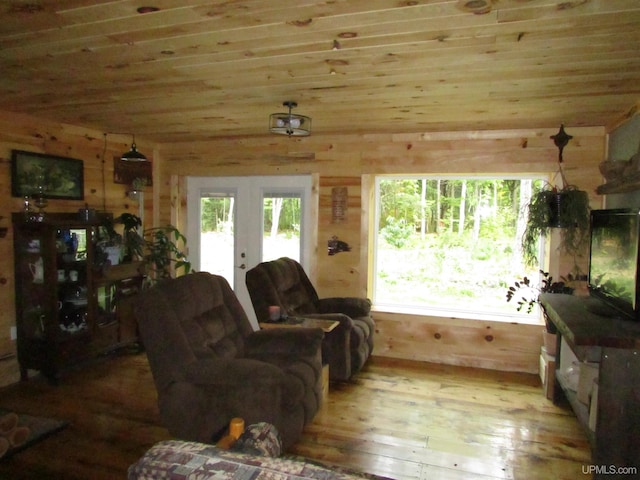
x: 529, y: 293
x: 545, y: 213
x: 526, y: 294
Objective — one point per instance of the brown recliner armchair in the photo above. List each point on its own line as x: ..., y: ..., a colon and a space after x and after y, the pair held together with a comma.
x: 284, y: 283
x: 209, y: 365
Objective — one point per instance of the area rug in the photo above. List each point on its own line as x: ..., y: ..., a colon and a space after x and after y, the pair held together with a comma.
x: 19, y: 431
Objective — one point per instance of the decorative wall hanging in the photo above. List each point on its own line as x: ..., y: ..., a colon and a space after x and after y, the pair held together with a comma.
x: 339, y: 197
x: 127, y: 172
x: 46, y: 176
x: 337, y: 246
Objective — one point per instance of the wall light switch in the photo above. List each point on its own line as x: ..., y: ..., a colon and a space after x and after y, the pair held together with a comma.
x: 13, y: 333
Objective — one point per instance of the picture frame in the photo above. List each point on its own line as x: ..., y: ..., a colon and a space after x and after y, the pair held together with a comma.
x: 126, y: 172
x: 46, y: 176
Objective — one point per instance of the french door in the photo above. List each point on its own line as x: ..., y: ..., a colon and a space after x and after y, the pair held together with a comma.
x: 234, y: 223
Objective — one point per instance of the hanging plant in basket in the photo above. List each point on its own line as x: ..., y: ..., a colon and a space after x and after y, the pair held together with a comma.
x: 566, y: 208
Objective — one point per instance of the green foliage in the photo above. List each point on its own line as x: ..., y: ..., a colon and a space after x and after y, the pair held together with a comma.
x: 573, y: 219
x: 437, y: 202
x: 483, y: 250
x: 289, y: 218
x: 159, y: 248
x: 214, y: 212
x: 134, y: 244
x: 470, y: 246
x: 396, y: 232
x: 445, y: 266
x: 527, y: 294
x: 217, y: 211
x: 163, y: 254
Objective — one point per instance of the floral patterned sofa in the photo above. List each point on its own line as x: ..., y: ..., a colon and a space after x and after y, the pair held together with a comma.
x: 179, y: 460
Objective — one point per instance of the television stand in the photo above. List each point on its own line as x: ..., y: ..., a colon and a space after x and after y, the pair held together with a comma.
x: 614, y: 343
x: 601, y: 309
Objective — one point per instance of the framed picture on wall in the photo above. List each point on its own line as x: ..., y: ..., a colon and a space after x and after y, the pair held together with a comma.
x: 127, y: 172
x: 48, y: 176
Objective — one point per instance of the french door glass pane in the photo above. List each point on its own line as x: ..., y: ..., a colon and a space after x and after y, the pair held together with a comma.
x: 217, y: 224
x: 281, y: 227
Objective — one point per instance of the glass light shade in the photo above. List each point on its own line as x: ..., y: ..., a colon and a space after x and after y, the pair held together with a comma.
x: 290, y: 124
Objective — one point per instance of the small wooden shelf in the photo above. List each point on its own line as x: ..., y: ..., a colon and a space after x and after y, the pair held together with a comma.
x: 621, y: 186
x: 580, y: 409
x: 307, y: 322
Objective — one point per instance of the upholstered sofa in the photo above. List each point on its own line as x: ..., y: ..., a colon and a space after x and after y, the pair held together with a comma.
x: 209, y: 365
x: 284, y: 283
x: 175, y: 460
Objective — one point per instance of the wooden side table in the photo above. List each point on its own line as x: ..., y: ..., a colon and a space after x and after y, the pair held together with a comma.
x: 306, y: 322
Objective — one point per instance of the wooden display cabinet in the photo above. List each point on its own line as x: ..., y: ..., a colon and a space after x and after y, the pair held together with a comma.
x: 67, y: 310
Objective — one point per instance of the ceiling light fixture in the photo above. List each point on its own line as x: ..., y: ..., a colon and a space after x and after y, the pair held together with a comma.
x: 290, y: 123
x: 133, y: 155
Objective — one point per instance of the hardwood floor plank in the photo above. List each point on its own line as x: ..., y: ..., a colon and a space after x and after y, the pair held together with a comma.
x: 401, y: 419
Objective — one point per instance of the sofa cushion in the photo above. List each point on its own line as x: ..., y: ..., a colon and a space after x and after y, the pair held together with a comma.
x: 259, y: 439
x: 172, y: 459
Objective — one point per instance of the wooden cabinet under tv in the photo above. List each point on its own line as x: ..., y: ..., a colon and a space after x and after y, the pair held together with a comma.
x: 67, y: 310
x: 614, y: 345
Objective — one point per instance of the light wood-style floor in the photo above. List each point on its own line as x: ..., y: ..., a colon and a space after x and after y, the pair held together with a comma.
x: 405, y: 420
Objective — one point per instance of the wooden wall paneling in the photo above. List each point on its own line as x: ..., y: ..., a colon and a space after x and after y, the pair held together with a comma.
x: 404, y: 66
x: 337, y: 160
x: 339, y: 274
x: 353, y: 161
x: 315, y: 248
x: 477, y: 343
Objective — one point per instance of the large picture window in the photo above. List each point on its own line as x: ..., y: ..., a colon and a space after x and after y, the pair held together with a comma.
x: 450, y: 244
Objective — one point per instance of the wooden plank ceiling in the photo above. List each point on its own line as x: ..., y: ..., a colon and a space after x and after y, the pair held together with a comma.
x: 195, y: 70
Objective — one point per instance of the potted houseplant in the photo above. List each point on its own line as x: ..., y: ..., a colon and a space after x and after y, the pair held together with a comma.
x: 109, y: 244
x: 133, y: 241
x: 552, y: 207
x: 163, y: 254
x: 527, y: 294
x: 157, y: 248
x: 564, y: 207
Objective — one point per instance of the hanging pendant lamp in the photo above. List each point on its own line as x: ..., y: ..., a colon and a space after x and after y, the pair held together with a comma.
x: 133, y: 155
x: 289, y: 123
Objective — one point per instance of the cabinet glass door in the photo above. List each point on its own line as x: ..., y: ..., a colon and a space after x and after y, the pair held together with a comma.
x: 71, y: 279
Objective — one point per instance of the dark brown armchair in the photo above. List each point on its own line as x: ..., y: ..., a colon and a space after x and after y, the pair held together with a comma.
x: 209, y: 365
x: 284, y: 283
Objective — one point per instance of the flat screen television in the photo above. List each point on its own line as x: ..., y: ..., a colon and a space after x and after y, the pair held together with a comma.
x: 613, y: 262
